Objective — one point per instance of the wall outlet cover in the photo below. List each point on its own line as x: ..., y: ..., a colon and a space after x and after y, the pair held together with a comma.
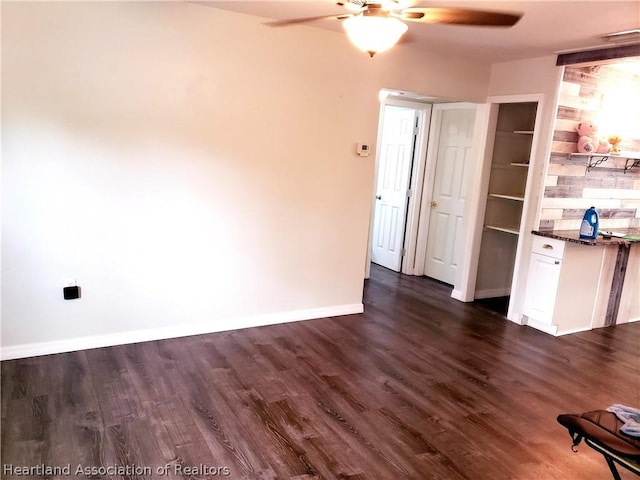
x: 362, y: 149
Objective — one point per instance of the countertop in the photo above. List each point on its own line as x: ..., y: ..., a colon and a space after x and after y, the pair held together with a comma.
x: 573, y: 236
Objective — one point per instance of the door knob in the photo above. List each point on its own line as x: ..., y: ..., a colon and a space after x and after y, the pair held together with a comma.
x: 378, y: 197
x: 433, y: 203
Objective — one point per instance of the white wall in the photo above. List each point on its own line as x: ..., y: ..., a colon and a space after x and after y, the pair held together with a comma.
x: 533, y: 75
x: 193, y: 169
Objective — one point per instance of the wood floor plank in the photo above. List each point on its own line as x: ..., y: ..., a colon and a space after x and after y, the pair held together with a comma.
x: 420, y: 386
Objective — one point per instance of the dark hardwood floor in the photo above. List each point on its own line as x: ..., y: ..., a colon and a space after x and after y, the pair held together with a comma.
x: 420, y: 386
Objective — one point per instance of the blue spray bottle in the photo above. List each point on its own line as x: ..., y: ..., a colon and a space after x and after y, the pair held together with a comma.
x: 590, y: 224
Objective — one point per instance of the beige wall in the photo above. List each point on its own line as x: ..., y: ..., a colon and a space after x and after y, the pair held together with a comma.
x: 191, y: 168
x: 535, y: 75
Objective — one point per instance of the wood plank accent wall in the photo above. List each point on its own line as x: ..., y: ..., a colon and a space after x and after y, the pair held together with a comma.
x: 569, y: 188
x: 599, y: 55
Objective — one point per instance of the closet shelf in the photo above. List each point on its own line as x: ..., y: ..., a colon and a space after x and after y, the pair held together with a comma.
x: 514, y: 133
x: 517, y: 198
x: 503, y: 228
x: 508, y: 166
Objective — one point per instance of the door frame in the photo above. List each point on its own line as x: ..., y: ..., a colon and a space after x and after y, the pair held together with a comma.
x: 415, y: 184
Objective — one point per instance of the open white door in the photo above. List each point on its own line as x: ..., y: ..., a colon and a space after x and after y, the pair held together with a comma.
x: 444, y: 241
x: 398, y: 134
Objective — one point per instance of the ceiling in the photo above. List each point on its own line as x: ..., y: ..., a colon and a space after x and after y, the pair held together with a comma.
x: 547, y: 27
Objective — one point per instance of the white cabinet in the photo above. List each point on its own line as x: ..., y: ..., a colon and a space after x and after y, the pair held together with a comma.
x: 544, y: 276
x: 562, y: 285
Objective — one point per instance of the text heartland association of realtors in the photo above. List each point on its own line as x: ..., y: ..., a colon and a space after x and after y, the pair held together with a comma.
x: 114, y: 470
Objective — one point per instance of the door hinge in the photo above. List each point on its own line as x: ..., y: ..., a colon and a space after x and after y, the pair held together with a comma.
x: 409, y: 192
x: 403, y: 252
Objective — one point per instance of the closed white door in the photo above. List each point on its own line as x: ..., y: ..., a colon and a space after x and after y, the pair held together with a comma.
x: 395, y: 155
x: 447, y: 202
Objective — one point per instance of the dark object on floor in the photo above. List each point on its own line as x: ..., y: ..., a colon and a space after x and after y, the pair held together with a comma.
x: 498, y: 305
x: 601, y: 431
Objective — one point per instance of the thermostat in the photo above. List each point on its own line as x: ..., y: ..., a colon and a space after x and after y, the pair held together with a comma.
x: 362, y: 149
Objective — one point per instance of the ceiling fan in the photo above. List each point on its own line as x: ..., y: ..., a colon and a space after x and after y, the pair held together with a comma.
x: 375, y: 26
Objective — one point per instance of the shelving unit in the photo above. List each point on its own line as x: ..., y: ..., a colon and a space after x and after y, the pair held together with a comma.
x: 509, y: 164
x: 505, y: 197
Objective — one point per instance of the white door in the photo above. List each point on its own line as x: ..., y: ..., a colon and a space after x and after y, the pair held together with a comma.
x: 447, y: 200
x: 395, y: 155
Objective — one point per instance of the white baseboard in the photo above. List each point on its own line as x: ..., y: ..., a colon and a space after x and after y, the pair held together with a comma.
x: 545, y: 327
x: 135, y: 336
x: 518, y: 319
x: 459, y: 295
x: 573, y: 330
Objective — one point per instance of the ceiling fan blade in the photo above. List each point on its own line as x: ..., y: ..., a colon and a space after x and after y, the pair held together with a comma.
x: 459, y: 16
x: 294, y: 21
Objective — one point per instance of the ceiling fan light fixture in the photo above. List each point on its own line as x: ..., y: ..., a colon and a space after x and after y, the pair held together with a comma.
x: 374, y: 34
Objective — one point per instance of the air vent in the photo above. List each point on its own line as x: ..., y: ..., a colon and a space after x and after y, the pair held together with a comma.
x: 627, y: 36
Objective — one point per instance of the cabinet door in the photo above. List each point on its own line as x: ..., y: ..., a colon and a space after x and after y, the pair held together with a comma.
x: 542, y: 287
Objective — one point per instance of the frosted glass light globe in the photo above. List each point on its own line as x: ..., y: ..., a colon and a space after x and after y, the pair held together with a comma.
x: 374, y: 34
